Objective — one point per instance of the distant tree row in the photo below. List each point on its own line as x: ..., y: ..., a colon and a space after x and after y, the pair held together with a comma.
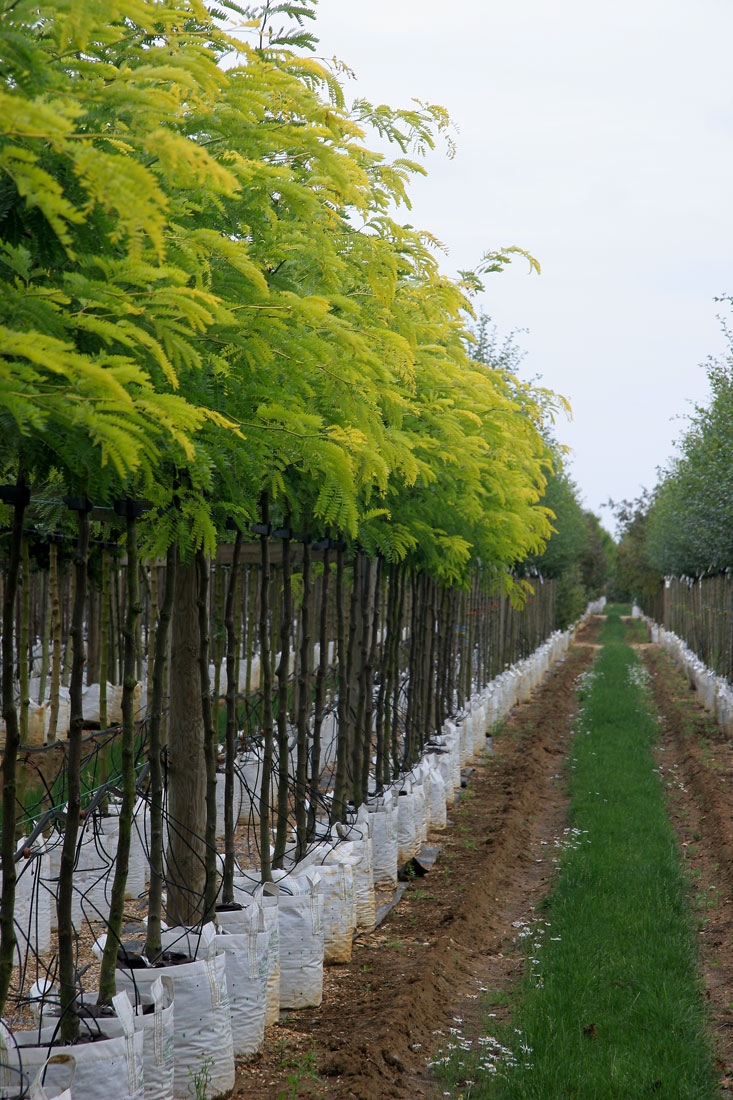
x: 684, y: 526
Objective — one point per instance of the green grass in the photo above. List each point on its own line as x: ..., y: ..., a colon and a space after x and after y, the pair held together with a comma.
x: 612, y: 1004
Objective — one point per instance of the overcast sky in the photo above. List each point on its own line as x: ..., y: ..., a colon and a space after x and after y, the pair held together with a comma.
x: 600, y: 139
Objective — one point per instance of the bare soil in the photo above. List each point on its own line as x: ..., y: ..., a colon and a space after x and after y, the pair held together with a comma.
x: 387, y: 1013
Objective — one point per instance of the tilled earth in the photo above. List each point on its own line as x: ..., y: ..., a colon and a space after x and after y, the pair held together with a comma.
x: 387, y: 1014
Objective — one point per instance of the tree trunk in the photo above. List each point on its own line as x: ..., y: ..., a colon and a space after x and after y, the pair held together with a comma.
x: 25, y: 702
x: 53, y: 693
x: 45, y: 639
x: 10, y: 754
x: 107, y: 984
x: 103, y: 662
x: 320, y: 699
x: 153, y: 945
x: 371, y: 630
x: 66, y: 932
x: 283, y: 675
x: 304, y: 699
x: 232, y: 637
x: 25, y: 614
x: 210, y: 738
x: 185, y: 862
x: 338, y: 807
x: 266, y: 674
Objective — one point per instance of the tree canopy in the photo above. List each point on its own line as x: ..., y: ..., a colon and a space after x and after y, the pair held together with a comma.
x: 207, y: 292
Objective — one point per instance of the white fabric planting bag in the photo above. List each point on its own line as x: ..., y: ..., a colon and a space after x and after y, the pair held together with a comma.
x: 158, y: 1030
x: 301, y: 943
x: 111, y: 1067
x: 465, y: 739
x: 437, y: 817
x: 383, y: 827
x: 52, y: 1080
x: 408, y: 839
x: 339, y: 904
x: 203, y: 1027
x: 356, y: 848
x: 266, y: 897
x: 246, y: 959
x: 421, y: 792
x: 43, y: 1087
x: 480, y: 721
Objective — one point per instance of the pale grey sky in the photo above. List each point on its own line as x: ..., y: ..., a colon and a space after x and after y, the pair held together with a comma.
x: 599, y: 138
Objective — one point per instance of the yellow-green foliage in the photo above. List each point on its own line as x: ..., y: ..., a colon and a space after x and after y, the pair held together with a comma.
x: 205, y: 292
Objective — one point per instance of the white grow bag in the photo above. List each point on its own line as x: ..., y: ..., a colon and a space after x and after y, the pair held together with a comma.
x: 248, y: 892
x: 301, y: 943
x: 245, y: 954
x: 356, y: 848
x: 109, y: 1068
x: 203, y: 1028
x: 408, y: 839
x: 158, y: 1030
x: 52, y: 1080
x: 45, y: 1087
x: 339, y: 904
x: 383, y: 825
x: 437, y: 817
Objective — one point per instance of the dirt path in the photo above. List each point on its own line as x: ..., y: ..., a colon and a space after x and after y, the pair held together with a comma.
x: 418, y: 975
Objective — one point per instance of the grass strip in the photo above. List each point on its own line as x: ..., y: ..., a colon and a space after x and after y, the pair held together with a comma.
x: 611, y: 1006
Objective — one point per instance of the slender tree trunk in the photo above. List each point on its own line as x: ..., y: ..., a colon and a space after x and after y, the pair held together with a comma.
x: 338, y: 808
x: 25, y: 614
x: 185, y: 863
x: 45, y: 639
x: 92, y: 664
x: 232, y: 636
x: 66, y: 932
x: 153, y: 945
x: 412, y: 686
x: 219, y: 637
x: 371, y: 630
x: 355, y: 675
x: 107, y: 984
x: 265, y: 671
x: 382, y: 721
x: 320, y: 699
x: 251, y: 606
x: 103, y: 661
x: 397, y: 672
x: 53, y: 693
x: 304, y: 700
x: 210, y: 737
x: 153, y: 614
x: 23, y: 678
x: 104, y: 627
x: 283, y: 675
x: 68, y: 656
x: 12, y: 742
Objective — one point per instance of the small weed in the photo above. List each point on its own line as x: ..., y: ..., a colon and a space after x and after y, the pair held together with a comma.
x: 396, y: 945
x: 302, y: 1068
x: 198, y: 1080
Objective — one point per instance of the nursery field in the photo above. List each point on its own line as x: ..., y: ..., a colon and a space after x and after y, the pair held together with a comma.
x: 450, y: 951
